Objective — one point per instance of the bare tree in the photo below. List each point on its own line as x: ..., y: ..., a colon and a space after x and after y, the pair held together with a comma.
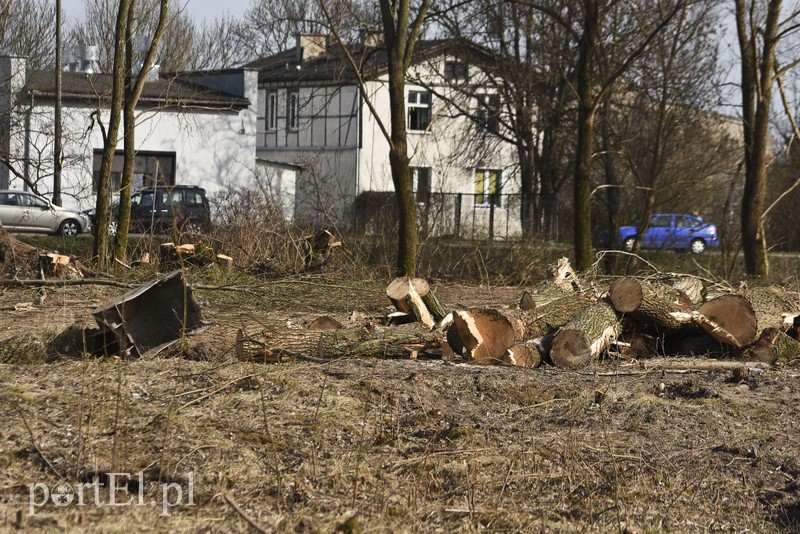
x: 110, y: 133
x: 134, y: 85
x: 759, y: 30
x: 24, y: 29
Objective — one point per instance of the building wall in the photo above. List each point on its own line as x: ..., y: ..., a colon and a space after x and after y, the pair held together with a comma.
x: 214, y: 149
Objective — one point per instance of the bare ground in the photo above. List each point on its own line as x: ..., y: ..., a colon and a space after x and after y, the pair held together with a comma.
x: 380, y: 445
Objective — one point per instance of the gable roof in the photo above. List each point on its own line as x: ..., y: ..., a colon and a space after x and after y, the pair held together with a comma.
x: 174, y: 92
x: 333, y: 66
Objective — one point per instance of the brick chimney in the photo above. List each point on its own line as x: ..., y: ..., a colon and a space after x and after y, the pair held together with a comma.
x: 310, y: 45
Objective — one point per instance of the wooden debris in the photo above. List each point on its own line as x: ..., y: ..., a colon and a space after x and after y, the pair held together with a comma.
x: 225, y: 262
x: 770, y: 305
x: 319, y: 248
x: 729, y: 319
x: 522, y: 355
x: 484, y: 334
x: 325, y: 322
x: 564, y: 277
x: 526, y: 302
x: 651, y: 305
x: 259, y: 344
x: 693, y: 288
x: 406, y: 298
x: 585, y: 337
x: 774, y: 346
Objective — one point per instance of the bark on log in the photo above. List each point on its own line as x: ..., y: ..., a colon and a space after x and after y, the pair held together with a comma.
x: 554, y: 315
x: 729, y: 319
x: 770, y: 304
x: 398, y: 342
x: 651, y: 305
x: 581, y: 340
x: 693, y: 288
x: 774, y: 346
x: 406, y: 298
x: 636, y: 346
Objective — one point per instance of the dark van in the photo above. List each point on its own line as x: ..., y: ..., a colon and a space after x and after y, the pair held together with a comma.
x: 165, y: 209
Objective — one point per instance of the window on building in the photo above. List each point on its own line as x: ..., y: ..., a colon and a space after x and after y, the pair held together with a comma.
x: 421, y: 177
x: 272, y: 111
x: 487, y: 187
x: 419, y: 110
x: 150, y: 168
x: 293, y: 111
x: 455, y: 70
x: 488, y: 111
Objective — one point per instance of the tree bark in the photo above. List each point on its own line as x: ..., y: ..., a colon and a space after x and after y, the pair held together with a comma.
x: 650, y: 305
x: 769, y: 304
x: 396, y: 342
x: 587, y: 335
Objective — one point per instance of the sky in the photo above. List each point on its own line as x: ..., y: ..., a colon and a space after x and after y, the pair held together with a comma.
x: 200, y: 9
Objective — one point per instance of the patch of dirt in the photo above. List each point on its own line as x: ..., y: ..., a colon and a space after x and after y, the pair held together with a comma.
x: 377, y: 445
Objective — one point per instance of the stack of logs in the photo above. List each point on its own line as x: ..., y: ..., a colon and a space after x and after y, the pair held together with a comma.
x: 632, y: 318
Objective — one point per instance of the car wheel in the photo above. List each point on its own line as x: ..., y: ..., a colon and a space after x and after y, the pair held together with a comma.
x: 628, y: 244
x: 69, y: 228
x: 698, y: 246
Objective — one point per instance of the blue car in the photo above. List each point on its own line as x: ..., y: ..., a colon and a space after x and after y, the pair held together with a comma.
x: 672, y: 231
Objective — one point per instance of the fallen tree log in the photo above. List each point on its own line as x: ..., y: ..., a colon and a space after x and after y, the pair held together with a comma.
x: 258, y: 343
x: 484, y: 334
x: 729, y: 319
x: 554, y: 314
x: 770, y: 304
x: 651, y: 305
x: 522, y: 355
x: 587, y: 335
x: 774, y: 346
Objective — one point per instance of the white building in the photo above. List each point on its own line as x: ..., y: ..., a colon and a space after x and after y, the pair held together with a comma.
x: 312, y: 114
x: 194, y: 129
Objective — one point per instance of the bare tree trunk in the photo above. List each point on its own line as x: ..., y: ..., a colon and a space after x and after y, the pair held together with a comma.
x: 757, y: 71
x: 100, y: 246
x: 584, y: 150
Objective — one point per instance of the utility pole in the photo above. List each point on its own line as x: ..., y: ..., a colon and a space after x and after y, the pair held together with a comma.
x: 57, y: 122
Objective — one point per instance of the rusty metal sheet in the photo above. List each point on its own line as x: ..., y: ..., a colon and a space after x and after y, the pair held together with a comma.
x: 149, y: 318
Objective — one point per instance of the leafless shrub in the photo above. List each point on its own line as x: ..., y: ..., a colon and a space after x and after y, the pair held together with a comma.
x: 250, y: 227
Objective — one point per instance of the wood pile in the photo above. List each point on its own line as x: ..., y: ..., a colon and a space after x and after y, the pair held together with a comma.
x: 630, y: 318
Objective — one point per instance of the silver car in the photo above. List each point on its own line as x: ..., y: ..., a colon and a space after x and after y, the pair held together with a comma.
x: 21, y: 211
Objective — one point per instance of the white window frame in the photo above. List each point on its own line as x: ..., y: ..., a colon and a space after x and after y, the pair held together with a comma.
x: 414, y: 104
x: 293, y: 110
x: 271, y: 111
x: 486, y: 196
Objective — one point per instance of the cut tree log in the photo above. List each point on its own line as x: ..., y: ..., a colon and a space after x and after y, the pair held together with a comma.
x: 770, y: 305
x: 522, y: 355
x: 729, y: 319
x: 325, y: 322
x: 587, y: 335
x: 260, y: 344
x: 484, y: 334
x: 406, y: 298
x: 774, y: 346
x: 651, y: 305
x: 554, y: 315
x: 635, y: 346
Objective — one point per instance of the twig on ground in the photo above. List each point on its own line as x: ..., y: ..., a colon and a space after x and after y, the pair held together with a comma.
x: 250, y: 521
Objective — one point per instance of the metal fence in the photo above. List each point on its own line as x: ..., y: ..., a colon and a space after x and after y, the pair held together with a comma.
x: 464, y: 215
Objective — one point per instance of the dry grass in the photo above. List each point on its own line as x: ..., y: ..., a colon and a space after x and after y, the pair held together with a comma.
x: 385, y: 445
